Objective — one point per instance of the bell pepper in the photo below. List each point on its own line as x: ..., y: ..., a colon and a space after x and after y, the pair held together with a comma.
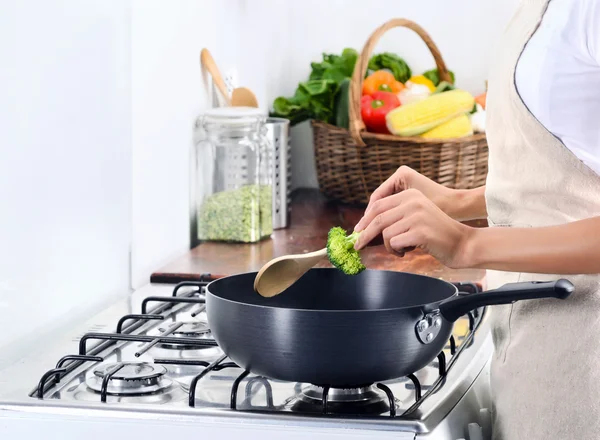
x: 481, y: 99
x: 381, y: 81
x: 374, y: 108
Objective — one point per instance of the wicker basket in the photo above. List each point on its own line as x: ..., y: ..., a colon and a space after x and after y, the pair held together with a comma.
x: 352, y: 163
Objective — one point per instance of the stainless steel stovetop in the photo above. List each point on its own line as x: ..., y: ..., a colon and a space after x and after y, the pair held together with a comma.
x: 152, y: 357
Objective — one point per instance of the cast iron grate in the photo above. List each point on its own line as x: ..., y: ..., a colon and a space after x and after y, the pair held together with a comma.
x: 124, y: 333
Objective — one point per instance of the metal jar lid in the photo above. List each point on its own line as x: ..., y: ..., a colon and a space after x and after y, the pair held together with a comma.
x: 234, y: 116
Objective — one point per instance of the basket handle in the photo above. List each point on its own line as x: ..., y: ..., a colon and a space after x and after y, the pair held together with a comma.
x: 360, y: 69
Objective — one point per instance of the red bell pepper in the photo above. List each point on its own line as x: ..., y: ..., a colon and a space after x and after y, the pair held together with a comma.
x: 373, y: 109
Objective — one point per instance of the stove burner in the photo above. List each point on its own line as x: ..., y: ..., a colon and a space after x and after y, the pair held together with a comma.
x: 195, y: 329
x: 356, y: 401
x: 135, y: 378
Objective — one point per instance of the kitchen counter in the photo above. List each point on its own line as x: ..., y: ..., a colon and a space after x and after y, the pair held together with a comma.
x: 311, y: 218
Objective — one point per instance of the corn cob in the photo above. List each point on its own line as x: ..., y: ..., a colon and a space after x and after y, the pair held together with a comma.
x: 419, y: 117
x: 456, y: 127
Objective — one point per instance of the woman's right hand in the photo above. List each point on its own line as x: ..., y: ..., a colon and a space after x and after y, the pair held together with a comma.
x: 407, y: 178
x: 457, y: 204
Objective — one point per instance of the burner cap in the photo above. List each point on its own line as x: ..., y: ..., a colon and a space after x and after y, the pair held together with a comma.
x: 355, y: 401
x: 195, y: 329
x: 192, y: 329
x: 132, y: 378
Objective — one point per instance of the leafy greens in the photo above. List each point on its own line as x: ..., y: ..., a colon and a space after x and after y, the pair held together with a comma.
x: 393, y: 63
x: 315, y: 98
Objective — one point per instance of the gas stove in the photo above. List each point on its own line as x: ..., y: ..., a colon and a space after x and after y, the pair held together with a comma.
x: 149, y: 366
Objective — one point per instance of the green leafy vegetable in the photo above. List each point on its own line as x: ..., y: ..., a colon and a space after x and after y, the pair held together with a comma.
x: 341, y: 252
x: 434, y: 76
x: 291, y: 108
x: 335, y: 67
x: 444, y: 86
x: 393, y: 63
x: 342, y: 105
x: 316, y: 98
x: 240, y: 215
x: 313, y: 99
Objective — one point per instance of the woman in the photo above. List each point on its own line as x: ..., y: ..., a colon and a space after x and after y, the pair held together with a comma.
x: 542, y: 201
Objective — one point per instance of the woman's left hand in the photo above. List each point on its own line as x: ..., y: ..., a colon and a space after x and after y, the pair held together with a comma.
x: 409, y: 219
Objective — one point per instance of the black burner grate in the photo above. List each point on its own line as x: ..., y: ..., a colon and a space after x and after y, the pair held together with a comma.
x: 123, y: 333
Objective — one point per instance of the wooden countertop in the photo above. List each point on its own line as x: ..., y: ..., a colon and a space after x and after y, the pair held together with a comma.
x: 312, y: 217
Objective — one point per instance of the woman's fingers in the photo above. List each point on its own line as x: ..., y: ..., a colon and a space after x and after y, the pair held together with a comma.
x: 397, y: 182
x: 387, y: 211
x: 375, y: 227
x: 386, y: 204
x: 386, y: 189
x: 398, y: 228
x: 406, y: 241
x: 378, y: 207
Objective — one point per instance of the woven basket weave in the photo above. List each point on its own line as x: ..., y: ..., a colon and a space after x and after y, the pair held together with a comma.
x: 352, y: 163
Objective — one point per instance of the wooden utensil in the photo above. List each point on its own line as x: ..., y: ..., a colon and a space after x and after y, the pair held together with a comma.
x: 240, y: 97
x: 243, y: 97
x: 280, y: 273
x: 207, y: 61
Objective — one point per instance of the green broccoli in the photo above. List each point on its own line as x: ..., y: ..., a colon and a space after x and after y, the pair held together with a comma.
x: 341, y: 252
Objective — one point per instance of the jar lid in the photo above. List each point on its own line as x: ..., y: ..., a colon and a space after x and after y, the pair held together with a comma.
x: 234, y: 116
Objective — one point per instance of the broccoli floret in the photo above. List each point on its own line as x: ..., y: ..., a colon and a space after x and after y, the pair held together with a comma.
x: 341, y: 252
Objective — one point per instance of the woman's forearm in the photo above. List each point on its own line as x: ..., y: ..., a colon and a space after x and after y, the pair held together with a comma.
x: 467, y: 204
x: 572, y: 248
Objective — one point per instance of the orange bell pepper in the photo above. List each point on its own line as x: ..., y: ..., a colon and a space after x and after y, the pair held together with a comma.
x: 481, y: 99
x: 381, y: 81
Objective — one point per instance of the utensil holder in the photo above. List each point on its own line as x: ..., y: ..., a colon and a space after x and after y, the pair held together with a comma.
x: 278, y: 133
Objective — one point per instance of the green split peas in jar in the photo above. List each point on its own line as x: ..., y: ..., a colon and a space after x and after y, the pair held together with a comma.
x: 235, y: 195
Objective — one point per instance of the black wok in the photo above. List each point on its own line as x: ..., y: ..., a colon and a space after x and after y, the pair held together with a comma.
x: 343, y: 331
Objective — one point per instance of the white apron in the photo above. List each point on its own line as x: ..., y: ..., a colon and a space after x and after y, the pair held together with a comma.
x: 546, y: 367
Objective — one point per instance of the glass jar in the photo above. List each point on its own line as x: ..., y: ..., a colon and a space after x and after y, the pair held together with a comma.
x: 233, y: 179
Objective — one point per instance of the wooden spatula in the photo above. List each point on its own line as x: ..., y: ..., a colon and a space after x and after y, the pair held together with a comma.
x: 207, y: 61
x: 280, y: 273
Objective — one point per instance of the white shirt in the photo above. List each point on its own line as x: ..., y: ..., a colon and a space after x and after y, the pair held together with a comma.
x: 558, y: 76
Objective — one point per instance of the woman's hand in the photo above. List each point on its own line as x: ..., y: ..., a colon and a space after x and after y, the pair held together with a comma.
x: 458, y: 204
x: 411, y: 219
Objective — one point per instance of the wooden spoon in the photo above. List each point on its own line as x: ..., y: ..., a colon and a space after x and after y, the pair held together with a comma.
x: 280, y: 273
x: 243, y: 97
x: 240, y: 97
x: 208, y: 62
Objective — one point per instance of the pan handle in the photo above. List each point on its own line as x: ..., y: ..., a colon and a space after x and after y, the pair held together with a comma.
x: 455, y: 307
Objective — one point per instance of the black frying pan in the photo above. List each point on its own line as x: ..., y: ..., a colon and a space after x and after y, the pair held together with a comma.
x: 344, y: 331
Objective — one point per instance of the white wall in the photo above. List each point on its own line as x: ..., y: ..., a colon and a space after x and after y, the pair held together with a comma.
x: 65, y: 163
x: 271, y: 43
x: 168, y: 93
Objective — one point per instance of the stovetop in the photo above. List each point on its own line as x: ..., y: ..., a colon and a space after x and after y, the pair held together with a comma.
x: 157, y: 355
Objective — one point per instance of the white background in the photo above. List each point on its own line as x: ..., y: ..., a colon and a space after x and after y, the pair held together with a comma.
x: 65, y: 163
x: 97, y: 106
